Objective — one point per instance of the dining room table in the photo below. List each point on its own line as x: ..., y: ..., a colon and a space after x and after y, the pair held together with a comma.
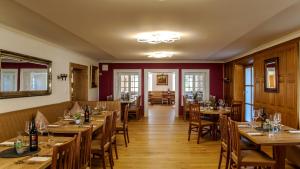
x: 41, y: 159
x: 279, y: 140
x: 67, y: 126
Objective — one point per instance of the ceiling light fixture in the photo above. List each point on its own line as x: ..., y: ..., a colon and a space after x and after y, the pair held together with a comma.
x: 158, y: 37
x: 160, y: 54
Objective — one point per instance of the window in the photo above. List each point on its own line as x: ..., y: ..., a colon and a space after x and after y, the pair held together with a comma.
x: 196, y: 81
x: 127, y: 82
x: 249, y: 93
x: 9, y: 80
x: 34, y: 79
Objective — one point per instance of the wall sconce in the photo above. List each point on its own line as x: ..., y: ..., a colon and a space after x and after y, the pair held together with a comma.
x: 62, y: 76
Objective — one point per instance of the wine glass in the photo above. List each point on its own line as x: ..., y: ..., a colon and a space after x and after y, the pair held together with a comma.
x: 42, y: 127
x: 277, y: 120
x: 66, y: 114
x: 27, y: 127
x: 103, y: 106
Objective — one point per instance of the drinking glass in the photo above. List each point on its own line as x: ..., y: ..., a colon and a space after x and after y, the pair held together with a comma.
x: 103, y: 106
x: 51, y: 140
x: 66, y: 114
x: 27, y: 127
x: 42, y: 127
x: 277, y: 121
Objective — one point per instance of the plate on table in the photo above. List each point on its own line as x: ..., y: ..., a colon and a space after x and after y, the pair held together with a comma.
x: 294, y: 131
x: 255, y: 134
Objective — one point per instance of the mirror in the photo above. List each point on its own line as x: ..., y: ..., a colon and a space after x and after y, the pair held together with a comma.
x: 23, y: 76
x: 271, y: 75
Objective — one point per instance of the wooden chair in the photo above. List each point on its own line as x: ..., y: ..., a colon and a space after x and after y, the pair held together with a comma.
x: 185, y: 108
x: 114, y: 133
x: 102, y: 147
x: 123, y: 127
x: 225, y: 141
x: 83, y: 147
x: 236, y: 111
x: 64, y: 156
x: 245, y: 158
x: 196, y: 124
x: 135, y: 109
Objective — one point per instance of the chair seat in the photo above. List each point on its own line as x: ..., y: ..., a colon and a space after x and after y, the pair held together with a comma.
x: 250, y: 157
x: 203, y: 123
x: 96, y: 148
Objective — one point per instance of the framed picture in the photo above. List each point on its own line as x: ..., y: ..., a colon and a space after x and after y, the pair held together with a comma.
x: 94, y: 74
x: 162, y: 79
x: 271, y: 81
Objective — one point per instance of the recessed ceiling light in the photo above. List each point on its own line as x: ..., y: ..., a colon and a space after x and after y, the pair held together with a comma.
x: 160, y: 54
x: 158, y: 37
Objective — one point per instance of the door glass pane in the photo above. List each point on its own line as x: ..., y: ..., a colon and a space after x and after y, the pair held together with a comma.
x: 248, y: 112
x: 248, y: 72
x: 248, y: 93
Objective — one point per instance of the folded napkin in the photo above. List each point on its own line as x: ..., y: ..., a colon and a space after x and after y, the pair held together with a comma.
x: 53, y: 125
x: 38, y: 159
x: 58, y: 144
x: 255, y: 134
x: 69, y: 119
x: 87, y: 126
x: 294, y: 131
x: 7, y: 143
x: 100, y: 120
x: 243, y: 126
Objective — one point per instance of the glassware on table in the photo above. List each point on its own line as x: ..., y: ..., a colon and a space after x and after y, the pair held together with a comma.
x: 27, y: 127
x: 66, y: 114
x: 51, y: 140
x: 103, y: 106
x: 42, y: 127
x: 277, y: 121
x: 271, y: 129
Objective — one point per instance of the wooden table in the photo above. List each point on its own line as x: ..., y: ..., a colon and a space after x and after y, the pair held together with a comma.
x: 215, y: 112
x: 66, y: 128
x: 278, y: 141
x: 12, y: 163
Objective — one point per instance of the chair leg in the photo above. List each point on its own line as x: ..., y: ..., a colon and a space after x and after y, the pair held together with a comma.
x: 127, y: 134
x: 103, y: 161
x: 189, y: 133
x: 116, y: 150
x: 227, y: 158
x: 111, y: 159
x: 124, y: 134
x: 199, y: 134
x: 220, y: 158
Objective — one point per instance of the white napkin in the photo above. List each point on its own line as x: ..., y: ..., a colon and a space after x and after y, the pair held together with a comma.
x: 100, y: 120
x: 294, y: 131
x: 69, y: 119
x: 7, y: 143
x: 58, y: 144
x: 53, y: 125
x: 243, y: 126
x: 255, y: 134
x: 38, y: 159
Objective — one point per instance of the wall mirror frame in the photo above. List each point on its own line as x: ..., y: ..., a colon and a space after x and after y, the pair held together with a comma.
x: 271, y: 75
x: 23, y: 75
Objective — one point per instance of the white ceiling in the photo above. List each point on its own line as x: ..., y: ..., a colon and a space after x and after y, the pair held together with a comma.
x: 213, y: 30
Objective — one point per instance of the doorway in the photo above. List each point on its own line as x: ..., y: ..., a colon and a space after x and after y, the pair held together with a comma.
x: 78, y: 82
x: 161, y: 88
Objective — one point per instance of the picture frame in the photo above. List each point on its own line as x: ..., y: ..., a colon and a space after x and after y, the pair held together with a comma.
x: 161, y: 79
x: 271, y: 75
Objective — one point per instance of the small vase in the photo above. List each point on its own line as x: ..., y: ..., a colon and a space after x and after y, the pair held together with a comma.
x: 77, y: 121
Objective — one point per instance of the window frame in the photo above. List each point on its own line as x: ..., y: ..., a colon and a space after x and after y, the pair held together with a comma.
x: 195, y: 71
x: 117, y: 81
x: 15, y: 71
x: 252, y: 90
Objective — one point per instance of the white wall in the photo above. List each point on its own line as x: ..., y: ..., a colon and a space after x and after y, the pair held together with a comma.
x: 20, y: 42
x: 156, y: 87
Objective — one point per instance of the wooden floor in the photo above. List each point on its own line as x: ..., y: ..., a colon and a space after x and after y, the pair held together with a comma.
x: 160, y: 142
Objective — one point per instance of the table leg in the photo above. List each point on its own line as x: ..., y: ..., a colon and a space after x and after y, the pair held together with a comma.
x: 279, y: 156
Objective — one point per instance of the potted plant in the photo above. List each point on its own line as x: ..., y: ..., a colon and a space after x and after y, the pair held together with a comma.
x: 77, y: 117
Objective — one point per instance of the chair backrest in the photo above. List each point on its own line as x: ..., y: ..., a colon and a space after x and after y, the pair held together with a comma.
x: 185, y: 104
x: 236, y: 111
x: 138, y: 102
x: 224, y: 129
x: 195, y: 114
x: 109, y: 98
x: 83, y: 148
x: 114, y: 122
x: 106, y: 130
x: 234, y: 138
x: 125, y: 120
x: 63, y: 156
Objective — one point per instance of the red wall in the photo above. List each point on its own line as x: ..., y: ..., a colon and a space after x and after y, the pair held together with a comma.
x: 216, y: 75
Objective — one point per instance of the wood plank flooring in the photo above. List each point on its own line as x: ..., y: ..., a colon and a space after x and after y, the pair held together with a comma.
x: 160, y: 142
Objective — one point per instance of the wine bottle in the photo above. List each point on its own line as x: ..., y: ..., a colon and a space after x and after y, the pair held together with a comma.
x: 86, y: 114
x: 33, y: 137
